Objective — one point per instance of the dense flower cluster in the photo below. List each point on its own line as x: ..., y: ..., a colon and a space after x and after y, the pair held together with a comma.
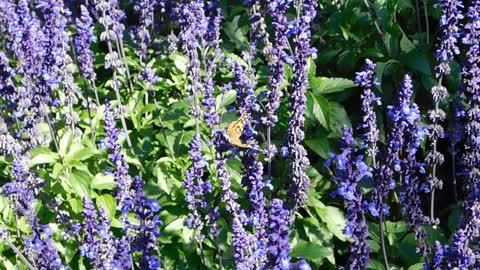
x: 350, y: 169
x: 296, y: 152
x: 124, y: 191
x: 365, y: 80
x: 447, y: 49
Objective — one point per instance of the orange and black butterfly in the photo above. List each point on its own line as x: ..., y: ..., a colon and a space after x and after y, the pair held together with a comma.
x: 235, y: 130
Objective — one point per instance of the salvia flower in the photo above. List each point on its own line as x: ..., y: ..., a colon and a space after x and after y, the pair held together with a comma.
x: 296, y: 152
x: 242, y: 241
x: 90, y: 243
x: 41, y: 249
x: 350, y: 169
x: 146, y: 233
x: 252, y: 168
x: 83, y: 41
x: 124, y: 191
x: 411, y: 188
x: 471, y: 78
x: 365, y: 80
x: 278, y: 235
x: 400, y: 115
x: 447, y: 49
x: 145, y: 8
x: 450, y: 33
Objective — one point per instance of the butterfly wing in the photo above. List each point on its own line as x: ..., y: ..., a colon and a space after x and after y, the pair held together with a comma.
x: 235, y: 130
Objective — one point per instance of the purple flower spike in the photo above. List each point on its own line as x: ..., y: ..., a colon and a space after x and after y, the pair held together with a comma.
x: 350, y: 169
x: 297, y: 154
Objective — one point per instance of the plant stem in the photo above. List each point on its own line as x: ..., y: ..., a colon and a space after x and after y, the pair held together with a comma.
x: 52, y: 133
x: 382, y: 238
x: 454, y: 173
x: 377, y: 26
x: 425, y: 9
x: 417, y: 11
x: 115, y: 88
x: 163, y: 128
x: 124, y: 61
x: 89, y: 113
x: 20, y: 254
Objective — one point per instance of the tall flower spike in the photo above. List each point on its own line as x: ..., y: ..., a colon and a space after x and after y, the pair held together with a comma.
x: 411, y: 168
x: 58, y: 66
x: 145, y: 8
x: 350, y: 169
x: 112, y: 58
x: 459, y: 254
x: 252, y: 168
x: 146, y: 233
x: 471, y: 78
x: 242, y: 241
x: 83, y: 41
x: 365, y: 80
x: 447, y: 49
x: 278, y: 236
x: 297, y: 154
x: 90, y: 243
x: 124, y: 192
x: 276, y: 68
x: 193, y: 25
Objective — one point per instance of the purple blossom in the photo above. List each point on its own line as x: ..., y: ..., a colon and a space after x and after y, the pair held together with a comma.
x: 350, y: 169
x: 40, y: 247
x: 252, y: 168
x: 242, y: 242
x: 411, y: 188
x: 365, y: 80
x: 297, y: 154
x: 471, y: 77
x: 123, y: 181
x: 276, y: 66
x: 196, y: 188
x: 278, y: 236
x: 447, y: 49
x: 400, y: 114
x: 83, y: 41
x: 450, y: 32
x: 146, y: 233
x: 90, y: 243
x: 145, y: 8
x: 57, y: 65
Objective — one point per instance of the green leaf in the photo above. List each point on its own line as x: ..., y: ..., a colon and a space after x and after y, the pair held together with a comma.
x: 310, y: 251
x: 180, y: 62
x: 103, y: 181
x: 175, y: 226
x: 225, y: 99
x: 162, y: 180
x: 44, y: 159
x: 337, y: 118
x: 335, y: 220
x: 406, y: 45
x: 80, y: 182
x: 417, y: 266
x: 235, y: 33
x: 317, y: 108
x: 108, y: 203
x: 320, y: 146
x: 417, y: 60
x: 80, y: 153
x: 65, y: 143
x: 324, y: 85
x: 375, y: 265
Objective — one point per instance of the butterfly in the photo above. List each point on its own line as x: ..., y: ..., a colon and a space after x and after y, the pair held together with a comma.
x: 235, y: 130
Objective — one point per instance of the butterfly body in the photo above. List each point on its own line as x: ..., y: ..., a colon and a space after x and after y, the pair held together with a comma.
x: 235, y: 130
